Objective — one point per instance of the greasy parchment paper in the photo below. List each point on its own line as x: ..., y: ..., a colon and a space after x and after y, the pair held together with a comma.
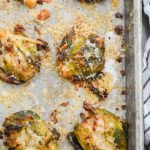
x: 46, y: 91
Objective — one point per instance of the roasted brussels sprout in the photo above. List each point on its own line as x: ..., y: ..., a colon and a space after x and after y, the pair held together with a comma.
x: 81, y: 58
x: 19, y: 59
x: 102, y: 130
x: 25, y: 130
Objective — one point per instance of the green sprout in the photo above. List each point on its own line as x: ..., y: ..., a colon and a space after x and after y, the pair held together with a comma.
x: 25, y: 130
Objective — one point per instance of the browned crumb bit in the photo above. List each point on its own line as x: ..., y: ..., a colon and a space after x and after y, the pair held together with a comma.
x: 123, y: 92
x: 9, y: 46
x: 19, y: 28
x: 53, y: 116
x: 122, y: 72
x: 119, y: 59
x: 118, y: 15
x: 88, y: 107
x: 123, y: 107
x: 119, y: 29
x: 42, y: 46
x: 42, y: 1
x: 64, y: 104
x: 43, y: 14
x: 83, y: 115
x: 78, y: 84
x: 56, y: 134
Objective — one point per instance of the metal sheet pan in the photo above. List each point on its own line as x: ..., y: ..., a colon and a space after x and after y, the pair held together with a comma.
x: 46, y: 91
x: 134, y: 74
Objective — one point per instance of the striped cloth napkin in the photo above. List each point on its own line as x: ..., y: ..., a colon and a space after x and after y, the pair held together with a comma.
x: 146, y: 83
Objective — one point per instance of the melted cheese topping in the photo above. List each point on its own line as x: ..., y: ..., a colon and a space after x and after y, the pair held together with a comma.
x: 98, y: 128
x: 106, y: 82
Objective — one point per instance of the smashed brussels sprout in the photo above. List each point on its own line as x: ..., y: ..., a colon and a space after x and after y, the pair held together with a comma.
x: 25, y: 130
x: 102, y: 130
x: 19, y: 59
x: 81, y: 58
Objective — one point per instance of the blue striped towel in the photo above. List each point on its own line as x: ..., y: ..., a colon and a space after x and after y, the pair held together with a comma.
x: 146, y: 83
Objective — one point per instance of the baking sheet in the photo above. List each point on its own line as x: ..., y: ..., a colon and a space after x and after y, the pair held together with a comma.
x: 134, y: 85
x: 47, y: 90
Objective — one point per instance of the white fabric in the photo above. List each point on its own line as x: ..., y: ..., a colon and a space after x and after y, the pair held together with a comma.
x: 146, y: 82
x: 147, y: 7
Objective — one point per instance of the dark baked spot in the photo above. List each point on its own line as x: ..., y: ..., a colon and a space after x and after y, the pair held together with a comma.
x: 119, y: 29
x: 118, y: 15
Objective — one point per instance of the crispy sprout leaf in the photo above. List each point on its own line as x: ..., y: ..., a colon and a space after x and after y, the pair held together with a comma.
x: 25, y: 129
